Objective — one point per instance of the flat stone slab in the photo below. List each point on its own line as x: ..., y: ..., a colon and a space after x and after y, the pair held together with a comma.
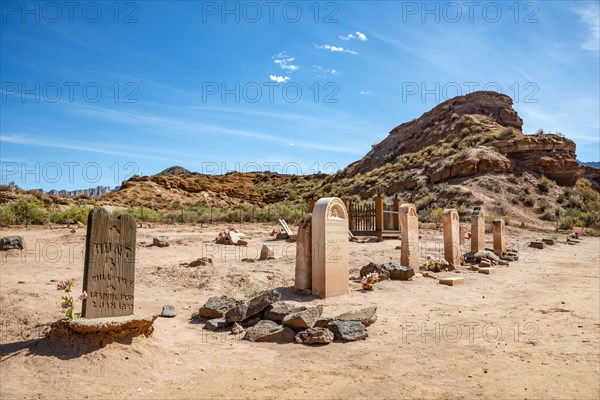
x: 537, y: 245
x: 487, y: 271
x: 452, y: 280
x: 269, y: 331
x: 348, y: 331
x: 216, y: 307
x: 549, y: 242
x: 366, y: 316
x: 315, y: 336
x: 101, y: 331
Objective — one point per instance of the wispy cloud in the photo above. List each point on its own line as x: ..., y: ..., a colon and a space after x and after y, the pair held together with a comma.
x: 283, y: 60
x: 590, y: 16
x: 325, y: 72
x: 279, y: 79
x: 365, y: 92
x: 28, y: 140
x: 359, y: 35
x: 335, y: 49
x: 184, y: 125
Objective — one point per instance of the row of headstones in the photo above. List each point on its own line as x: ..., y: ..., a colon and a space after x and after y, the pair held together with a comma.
x: 322, y: 258
x: 322, y: 248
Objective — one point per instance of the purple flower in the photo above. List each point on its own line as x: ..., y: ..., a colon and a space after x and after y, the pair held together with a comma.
x: 82, y: 296
x: 62, y: 285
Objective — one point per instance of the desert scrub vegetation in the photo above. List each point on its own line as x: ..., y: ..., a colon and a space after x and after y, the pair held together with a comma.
x: 24, y: 211
x: 72, y: 214
x: 580, y: 207
x: 544, y: 184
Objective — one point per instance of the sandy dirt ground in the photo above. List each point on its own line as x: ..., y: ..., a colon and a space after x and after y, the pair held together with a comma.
x: 532, y: 330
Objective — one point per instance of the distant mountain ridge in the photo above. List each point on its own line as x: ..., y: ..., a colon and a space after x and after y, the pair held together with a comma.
x: 595, y: 164
x: 91, y: 192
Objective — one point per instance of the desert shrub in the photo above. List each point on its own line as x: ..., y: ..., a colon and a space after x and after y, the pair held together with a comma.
x: 528, y: 201
x: 544, y: 184
x: 140, y: 214
x: 506, y: 133
x: 26, y: 211
x: 543, y: 204
x: 7, y: 216
x: 72, y: 214
x: 567, y: 222
x: 591, y: 219
x: 548, y: 216
x: 436, y: 216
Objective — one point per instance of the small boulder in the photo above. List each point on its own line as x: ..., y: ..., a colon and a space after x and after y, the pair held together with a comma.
x: 160, y: 241
x: 237, y: 328
x: 348, y: 331
x: 201, y: 262
x: 216, y: 324
x: 267, y: 253
x: 216, y: 307
x: 12, y: 242
x: 303, y: 319
x: 252, y: 307
x: 315, y: 336
x: 168, y: 312
x: 269, y: 331
x: 323, y: 322
x: 278, y: 310
x: 389, y: 270
x: 366, y: 316
x: 536, y: 245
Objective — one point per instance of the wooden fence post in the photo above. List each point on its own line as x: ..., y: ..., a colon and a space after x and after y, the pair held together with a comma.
x: 379, y: 216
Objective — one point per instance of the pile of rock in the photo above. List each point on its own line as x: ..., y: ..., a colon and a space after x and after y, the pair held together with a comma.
x: 265, y: 318
x: 487, y: 259
x: 390, y: 270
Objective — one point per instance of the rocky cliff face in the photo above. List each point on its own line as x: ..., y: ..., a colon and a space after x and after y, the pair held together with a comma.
x: 466, y: 136
x: 91, y: 192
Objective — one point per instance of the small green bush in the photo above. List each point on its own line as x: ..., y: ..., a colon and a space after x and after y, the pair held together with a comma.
x: 24, y: 211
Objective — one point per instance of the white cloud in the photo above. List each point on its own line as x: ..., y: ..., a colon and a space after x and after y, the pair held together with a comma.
x: 590, y: 16
x: 335, y: 49
x: 325, y: 71
x: 359, y: 35
x: 365, y: 92
x: 283, y: 60
x: 279, y: 79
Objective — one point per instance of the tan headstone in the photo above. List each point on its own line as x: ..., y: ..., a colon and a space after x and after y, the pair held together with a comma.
x: 330, y: 269
x: 487, y: 270
x: 451, y: 232
x: 477, y: 230
x: 304, y: 254
x: 109, y: 267
x: 409, y: 229
x: 498, y: 233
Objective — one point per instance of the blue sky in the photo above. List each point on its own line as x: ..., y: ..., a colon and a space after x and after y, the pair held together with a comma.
x: 93, y: 92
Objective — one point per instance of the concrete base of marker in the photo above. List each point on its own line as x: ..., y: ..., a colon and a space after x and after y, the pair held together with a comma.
x: 487, y: 270
x: 98, y: 332
x: 452, y: 281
